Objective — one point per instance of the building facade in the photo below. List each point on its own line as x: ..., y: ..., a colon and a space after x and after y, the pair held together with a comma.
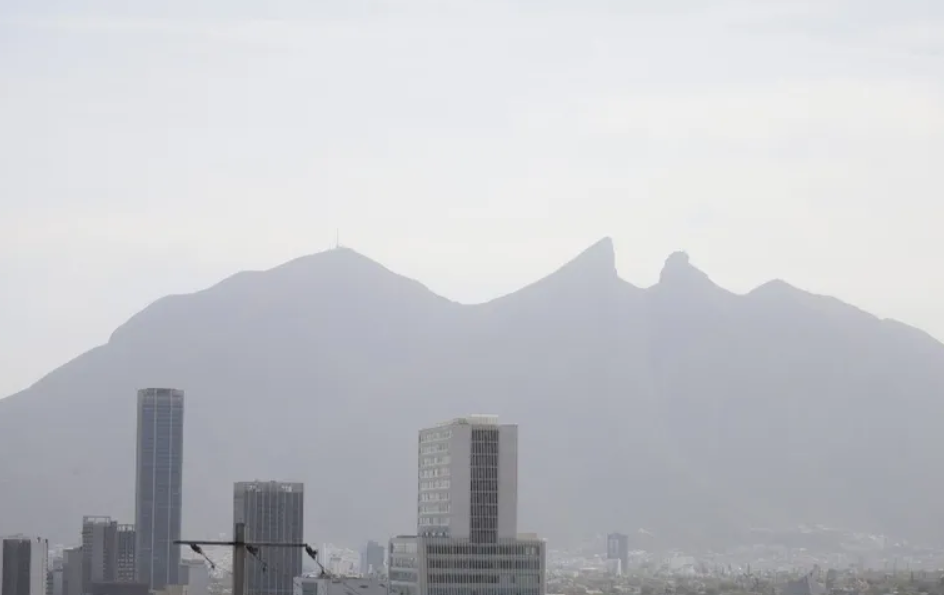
x: 24, y: 562
x: 159, y: 486
x: 467, y: 540
x: 273, y: 511
x: 125, y: 560
x: 72, y: 571
x: 99, y: 551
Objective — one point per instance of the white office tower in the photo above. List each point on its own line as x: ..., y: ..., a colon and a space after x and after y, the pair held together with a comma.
x: 467, y: 517
x: 23, y: 565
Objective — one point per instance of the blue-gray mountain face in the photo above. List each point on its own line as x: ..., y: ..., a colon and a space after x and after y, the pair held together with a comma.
x: 681, y: 408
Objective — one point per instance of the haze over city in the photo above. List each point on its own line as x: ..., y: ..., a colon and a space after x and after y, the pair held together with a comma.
x: 492, y: 298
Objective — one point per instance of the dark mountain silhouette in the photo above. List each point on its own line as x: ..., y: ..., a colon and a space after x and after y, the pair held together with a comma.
x: 683, y: 408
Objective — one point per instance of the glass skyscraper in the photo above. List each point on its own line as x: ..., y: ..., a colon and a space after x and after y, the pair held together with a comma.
x: 158, y: 486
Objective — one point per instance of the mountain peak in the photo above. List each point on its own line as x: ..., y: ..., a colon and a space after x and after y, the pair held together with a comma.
x: 600, y: 258
x: 678, y: 270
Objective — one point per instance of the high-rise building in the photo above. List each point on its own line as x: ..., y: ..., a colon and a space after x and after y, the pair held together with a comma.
x: 617, y: 548
x: 23, y: 565
x: 158, y: 486
x: 372, y: 559
x: 467, y: 516
x: 126, y: 537
x: 99, y: 551
x: 72, y: 560
x: 273, y: 511
x: 468, y: 479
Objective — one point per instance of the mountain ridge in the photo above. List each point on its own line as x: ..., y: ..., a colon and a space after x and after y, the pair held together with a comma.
x: 691, y: 388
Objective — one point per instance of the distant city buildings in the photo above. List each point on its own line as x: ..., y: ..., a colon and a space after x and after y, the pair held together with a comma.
x: 617, y: 548
x: 158, y: 486
x: 372, y: 559
x: 467, y: 540
x: 23, y: 565
x: 273, y: 512
x: 339, y: 585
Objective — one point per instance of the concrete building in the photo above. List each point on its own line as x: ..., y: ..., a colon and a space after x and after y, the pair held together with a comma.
x: 273, y: 511
x: 99, y: 551
x: 468, y: 479
x: 23, y: 565
x: 158, y: 486
x: 467, y: 517
x: 339, y: 585
x: 125, y: 545
x: 72, y: 571
x: 373, y: 559
x: 195, y: 575
x: 617, y: 548
x: 403, y: 565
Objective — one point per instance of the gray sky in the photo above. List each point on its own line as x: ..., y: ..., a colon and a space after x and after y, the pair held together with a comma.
x: 475, y: 148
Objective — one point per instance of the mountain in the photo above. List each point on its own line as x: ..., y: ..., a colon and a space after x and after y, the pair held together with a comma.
x: 683, y: 408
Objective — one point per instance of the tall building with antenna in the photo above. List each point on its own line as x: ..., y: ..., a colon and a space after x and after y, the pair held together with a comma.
x: 467, y: 537
x: 159, y: 486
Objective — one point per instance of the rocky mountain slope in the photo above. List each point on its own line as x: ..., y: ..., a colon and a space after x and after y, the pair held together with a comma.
x: 682, y: 408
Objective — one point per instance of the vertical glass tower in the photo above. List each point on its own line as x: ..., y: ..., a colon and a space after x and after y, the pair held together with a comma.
x: 158, y: 486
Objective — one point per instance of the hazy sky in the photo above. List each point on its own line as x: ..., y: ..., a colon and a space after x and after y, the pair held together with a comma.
x: 474, y: 146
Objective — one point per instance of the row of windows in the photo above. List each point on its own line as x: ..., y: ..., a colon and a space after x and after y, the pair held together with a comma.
x: 474, y: 549
x: 403, y: 562
x: 485, y: 434
x: 481, y: 578
x: 477, y: 590
x: 434, y: 521
x: 435, y: 435
x: 483, y: 535
x: 405, y: 547
x: 434, y: 472
x: 404, y: 576
x: 435, y: 460
x: 484, y: 485
x: 485, y: 563
x: 484, y: 510
x: 483, y: 498
x: 485, y: 460
x: 485, y: 448
x: 431, y: 448
x: 437, y: 507
x: 435, y: 497
x: 484, y: 472
x: 436, y: 484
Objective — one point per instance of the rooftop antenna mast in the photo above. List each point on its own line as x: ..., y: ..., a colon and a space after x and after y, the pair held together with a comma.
x: 337, y: 238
